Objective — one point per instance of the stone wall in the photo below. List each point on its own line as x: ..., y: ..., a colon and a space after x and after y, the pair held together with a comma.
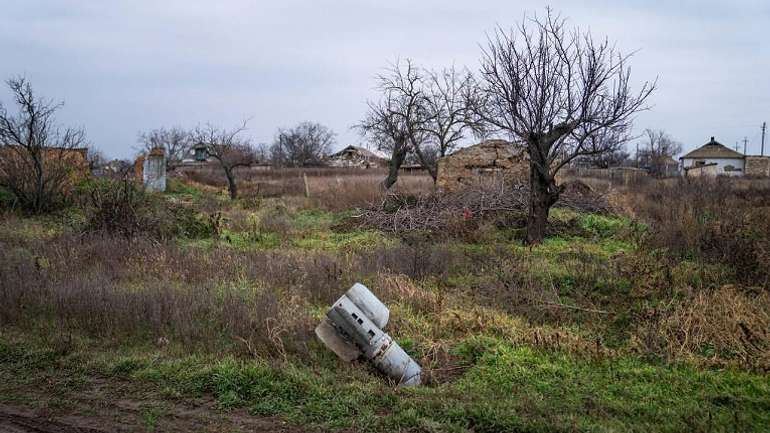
x: 708, y: 170
x: 622, y: 175
x: 489, y: 160
x: 758, y: 166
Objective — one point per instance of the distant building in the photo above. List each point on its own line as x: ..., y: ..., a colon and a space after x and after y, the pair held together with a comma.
x: 724, y: 160
x: 113, y: 169
x: 354, y: 156
x: 200, y: 153
x: 716, y: 159
x: 497, y: 159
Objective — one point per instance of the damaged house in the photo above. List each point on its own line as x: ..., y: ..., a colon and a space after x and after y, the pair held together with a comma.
x: 490, y: 159
x: 358, y: 157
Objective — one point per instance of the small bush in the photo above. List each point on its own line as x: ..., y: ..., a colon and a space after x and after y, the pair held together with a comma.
x: 123, y: 207
x: 720, y: 221
x: 276, y: 220
x: 7, y: 199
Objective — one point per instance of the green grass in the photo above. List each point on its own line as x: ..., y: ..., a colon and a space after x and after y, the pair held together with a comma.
x: 511, y: 381
x: 335, y: 241
x: 317, y: 219
x: 177, y: 188
x: 507, y: 388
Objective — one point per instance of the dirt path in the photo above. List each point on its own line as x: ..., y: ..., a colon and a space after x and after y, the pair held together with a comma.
x: 18, y: 419
x: 108, y: 407
x: 13, y: 420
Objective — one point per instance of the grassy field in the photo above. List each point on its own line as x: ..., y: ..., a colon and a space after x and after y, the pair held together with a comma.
x: 654, y: 318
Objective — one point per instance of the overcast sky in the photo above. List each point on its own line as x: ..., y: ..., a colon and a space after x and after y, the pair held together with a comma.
x: 127, y: 66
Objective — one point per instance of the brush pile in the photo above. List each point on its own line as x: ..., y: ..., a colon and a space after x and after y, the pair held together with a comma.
x: 439, y: 212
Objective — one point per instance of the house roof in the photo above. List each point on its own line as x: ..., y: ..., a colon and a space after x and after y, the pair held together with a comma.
x: 360, y: 150
x: 713, y: 149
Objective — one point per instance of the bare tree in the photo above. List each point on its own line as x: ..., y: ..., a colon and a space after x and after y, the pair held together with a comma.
x: 396, y: 122
x: 302, y: 146
x: 657, y: 151
x: 615, y: 154
x: 39, y: 160
x: 554, y: 89
x: 428, y: 107
x: 387, y: 131
x: 228, y: 148
x: 175, y: 141
x: 96, y: 159
x: 616, y: 158
x: 447, y: 117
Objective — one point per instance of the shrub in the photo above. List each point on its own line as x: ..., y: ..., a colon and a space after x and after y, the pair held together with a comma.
x: 123, y: 207
x: 7, y: 199
x: 720, y: 221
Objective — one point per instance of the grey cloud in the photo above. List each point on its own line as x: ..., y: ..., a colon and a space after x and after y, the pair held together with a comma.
x: 126, y: 66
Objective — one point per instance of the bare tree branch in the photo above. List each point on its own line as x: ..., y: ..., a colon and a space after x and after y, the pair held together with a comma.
x: 302, y: 146
x: 560, y: 93
x: 39, y: 161
x: 175, y: 141
x: 228, y: 148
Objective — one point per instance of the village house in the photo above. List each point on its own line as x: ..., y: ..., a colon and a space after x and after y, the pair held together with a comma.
x: 716, y: 159
x: 490, y: 159
x: 713, y: 158
x: 354, y: 156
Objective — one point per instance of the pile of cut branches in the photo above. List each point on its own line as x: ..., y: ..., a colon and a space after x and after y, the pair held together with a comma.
x: 438, y: 212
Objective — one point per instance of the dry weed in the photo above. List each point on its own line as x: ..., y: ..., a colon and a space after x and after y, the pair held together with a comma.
x: 721, y: 327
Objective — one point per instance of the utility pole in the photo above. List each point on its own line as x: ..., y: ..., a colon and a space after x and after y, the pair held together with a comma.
x: 637, y: 154
x: 736, y: 146
x: 764, y: 127
x: 745, y: 141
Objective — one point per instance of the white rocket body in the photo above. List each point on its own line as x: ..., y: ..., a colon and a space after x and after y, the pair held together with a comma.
x: 353, y: 327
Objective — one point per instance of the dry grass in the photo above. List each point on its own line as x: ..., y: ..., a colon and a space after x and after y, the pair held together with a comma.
x: 265, y: 302
x: 326, y: 188
x: 720, y: 221
x: 725, y: 326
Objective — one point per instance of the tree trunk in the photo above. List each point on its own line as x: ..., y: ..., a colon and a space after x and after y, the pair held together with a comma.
x: 543, y: 194
x: 395, y: 165
x: 231, y: 186
x: 431, y: 168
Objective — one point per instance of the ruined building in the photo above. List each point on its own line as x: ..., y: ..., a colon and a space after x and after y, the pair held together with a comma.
x: 151, y: 169
x: 354, y: 156
x: 488, y: 160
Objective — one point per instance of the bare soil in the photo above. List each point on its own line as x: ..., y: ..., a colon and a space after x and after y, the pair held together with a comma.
x: 102, y: 407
